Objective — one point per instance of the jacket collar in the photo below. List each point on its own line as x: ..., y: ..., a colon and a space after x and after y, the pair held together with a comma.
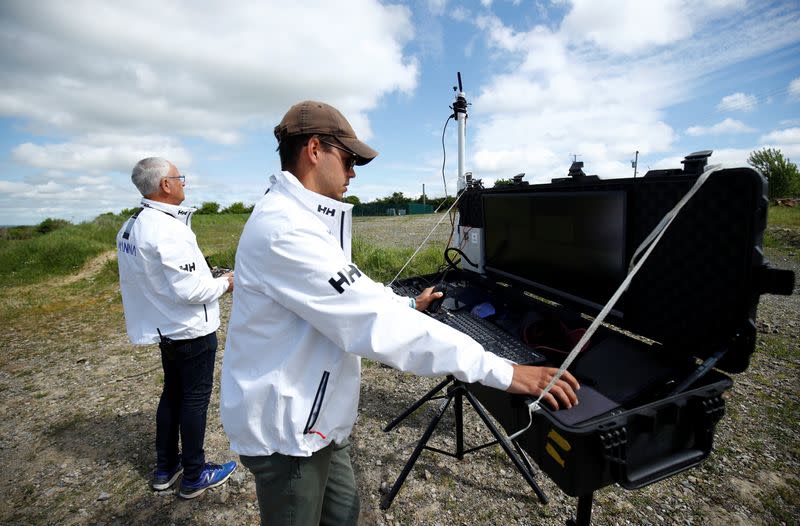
x: 181, y: 213
x: 323, y: 207
x: 332, y: 213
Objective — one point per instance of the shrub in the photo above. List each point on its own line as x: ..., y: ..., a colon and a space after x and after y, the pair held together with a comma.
x: 238, y: 208
x: 50, y: 224
x: 209, y: 207
x: 781, y: 173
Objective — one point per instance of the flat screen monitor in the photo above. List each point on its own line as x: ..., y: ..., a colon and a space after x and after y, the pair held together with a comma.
x: 570, y: 245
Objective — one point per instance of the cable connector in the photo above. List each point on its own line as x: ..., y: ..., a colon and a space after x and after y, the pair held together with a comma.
x: 533, y: 406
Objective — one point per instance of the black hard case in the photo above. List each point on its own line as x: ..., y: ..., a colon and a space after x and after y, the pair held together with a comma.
x: 696, y: 295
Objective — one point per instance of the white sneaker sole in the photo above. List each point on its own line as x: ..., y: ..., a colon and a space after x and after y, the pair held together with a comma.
x: 169, y: 483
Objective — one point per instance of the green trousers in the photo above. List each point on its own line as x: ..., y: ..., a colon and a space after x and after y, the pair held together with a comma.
x: 306, y: 491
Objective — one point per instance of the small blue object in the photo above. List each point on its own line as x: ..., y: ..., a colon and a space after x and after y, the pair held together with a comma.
x: 483, y: 310
x: 212, y: 476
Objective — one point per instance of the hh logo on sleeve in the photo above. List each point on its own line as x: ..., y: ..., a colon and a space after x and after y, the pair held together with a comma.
x: 346, y: 276
x: 189, y: 267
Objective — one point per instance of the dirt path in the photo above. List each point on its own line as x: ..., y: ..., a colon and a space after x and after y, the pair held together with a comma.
x: 90, y: 269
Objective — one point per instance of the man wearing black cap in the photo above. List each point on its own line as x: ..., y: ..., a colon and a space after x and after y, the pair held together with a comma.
x: 303, y: 317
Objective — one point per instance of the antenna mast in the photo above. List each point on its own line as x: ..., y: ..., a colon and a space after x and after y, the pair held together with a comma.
x: 460, y: 109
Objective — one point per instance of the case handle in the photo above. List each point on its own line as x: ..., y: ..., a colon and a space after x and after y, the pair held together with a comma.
x: 770, y: 280
x: 659, y: 469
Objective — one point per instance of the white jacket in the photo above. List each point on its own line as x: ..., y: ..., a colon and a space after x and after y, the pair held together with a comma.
x: 304, y: 315
x: 165, y: 281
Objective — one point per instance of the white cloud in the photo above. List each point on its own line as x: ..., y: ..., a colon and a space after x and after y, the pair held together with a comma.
x: 75, y: 198
x: 202, y: 72
x: 100, y: 152
x: 436, y: 7
x: 738, y: 102
x: 633, y: 26
x: 787, y: 136
x: 727, y: 126
x: 794, y: 88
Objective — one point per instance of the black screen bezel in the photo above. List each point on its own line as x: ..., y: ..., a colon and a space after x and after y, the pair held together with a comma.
x: 589, y: 302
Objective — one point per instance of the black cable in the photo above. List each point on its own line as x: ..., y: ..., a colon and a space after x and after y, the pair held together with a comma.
x: 453, y: 264
x: 444, y: 161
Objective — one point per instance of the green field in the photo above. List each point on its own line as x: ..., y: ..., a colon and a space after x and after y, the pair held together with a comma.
x: 45, y: 272
x: 66, y: 250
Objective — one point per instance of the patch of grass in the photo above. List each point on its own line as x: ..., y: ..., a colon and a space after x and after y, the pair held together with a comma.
x: 56, y: 253
x: 381, y: 264
x: 782, y: 502
x: 218, y: 236
x: 784, y: 216
x: 778, y: 347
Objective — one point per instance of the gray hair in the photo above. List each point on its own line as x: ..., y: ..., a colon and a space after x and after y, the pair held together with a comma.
x: 147, y: 174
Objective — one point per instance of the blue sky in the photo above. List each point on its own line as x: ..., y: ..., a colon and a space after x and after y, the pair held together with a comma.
x: 89, y: 87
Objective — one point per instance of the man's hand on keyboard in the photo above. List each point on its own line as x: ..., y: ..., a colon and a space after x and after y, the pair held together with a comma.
x: 426, y: 297
x: 532, y: 380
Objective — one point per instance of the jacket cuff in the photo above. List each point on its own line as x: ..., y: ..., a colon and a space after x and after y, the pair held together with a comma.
x: 500, y: 372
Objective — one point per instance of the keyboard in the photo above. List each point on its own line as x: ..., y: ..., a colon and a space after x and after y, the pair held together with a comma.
x: 493, y: 338
x: 406, y: 290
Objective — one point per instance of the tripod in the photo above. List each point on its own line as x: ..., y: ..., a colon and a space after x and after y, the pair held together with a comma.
x: 456, y: 393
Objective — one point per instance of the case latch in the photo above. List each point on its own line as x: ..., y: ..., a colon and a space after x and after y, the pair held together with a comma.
x: 714, y: 410
x: 615, y: 445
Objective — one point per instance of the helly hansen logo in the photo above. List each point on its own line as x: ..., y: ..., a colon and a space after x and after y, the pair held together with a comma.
x: 183, y: 212
x: 346, y: 276
x: 126, y: 248
x: 327, y: 211
x: 189, y: 267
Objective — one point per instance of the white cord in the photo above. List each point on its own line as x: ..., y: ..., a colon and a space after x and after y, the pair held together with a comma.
x: 651, y: 240
x: 446, y: 214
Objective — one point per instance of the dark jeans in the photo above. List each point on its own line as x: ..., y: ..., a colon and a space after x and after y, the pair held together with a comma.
x: 188, y: 379
x: 306, y: 491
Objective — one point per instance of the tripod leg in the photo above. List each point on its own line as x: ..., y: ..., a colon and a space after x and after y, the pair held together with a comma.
x: 522, y: 456
x: 416, y: 405
x: 386, y: 501
x: 503, y: 441
x: 458, y: 409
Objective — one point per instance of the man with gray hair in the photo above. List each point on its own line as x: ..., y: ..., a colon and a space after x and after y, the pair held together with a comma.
x: 171, y: 298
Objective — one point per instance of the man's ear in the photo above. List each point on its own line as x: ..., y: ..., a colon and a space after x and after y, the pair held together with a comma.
x: 312, y: 150
x: 163, y: 186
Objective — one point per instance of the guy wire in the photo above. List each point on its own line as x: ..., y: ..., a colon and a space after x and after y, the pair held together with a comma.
x: 446, y: 214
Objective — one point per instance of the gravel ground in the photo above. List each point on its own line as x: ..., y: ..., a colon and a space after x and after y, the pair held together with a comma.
x: 77, y: 428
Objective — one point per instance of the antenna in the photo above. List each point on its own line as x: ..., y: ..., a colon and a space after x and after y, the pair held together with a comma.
x: 635, y: 164
x: 460, y: 109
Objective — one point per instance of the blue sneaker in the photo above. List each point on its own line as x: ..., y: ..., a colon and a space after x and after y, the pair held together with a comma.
x: 164, y: 479
x: 212, y: 476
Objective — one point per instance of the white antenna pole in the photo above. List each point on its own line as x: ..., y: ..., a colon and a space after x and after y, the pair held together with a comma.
x: 460, y: 108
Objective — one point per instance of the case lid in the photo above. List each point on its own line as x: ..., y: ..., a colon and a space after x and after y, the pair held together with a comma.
x: 696, y: 294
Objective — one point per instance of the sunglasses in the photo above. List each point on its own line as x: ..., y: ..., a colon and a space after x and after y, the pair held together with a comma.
x: 350, y: 162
